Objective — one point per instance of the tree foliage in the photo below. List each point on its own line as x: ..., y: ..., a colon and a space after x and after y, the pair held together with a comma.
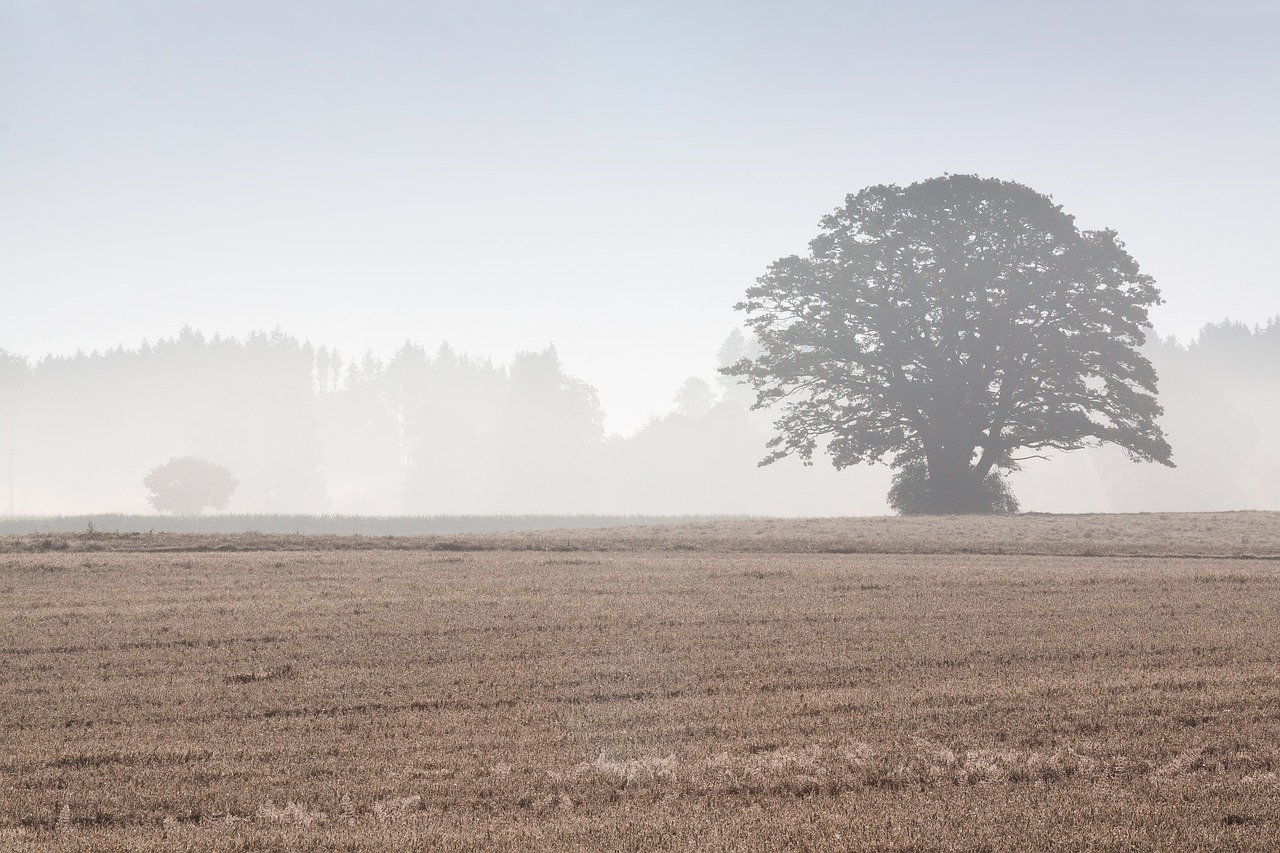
x: 186, y: 485
x: 951, y: 325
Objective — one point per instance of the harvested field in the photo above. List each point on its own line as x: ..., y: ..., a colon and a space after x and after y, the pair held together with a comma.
x: 1026, y: 683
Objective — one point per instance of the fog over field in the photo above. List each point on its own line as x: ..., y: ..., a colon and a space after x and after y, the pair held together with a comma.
x: 426, y: 258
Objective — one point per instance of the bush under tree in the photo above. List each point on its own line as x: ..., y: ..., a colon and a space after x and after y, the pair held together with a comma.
x: 912, y: 493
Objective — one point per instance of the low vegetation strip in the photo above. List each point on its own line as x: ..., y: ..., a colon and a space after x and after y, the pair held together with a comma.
x: 1239, y: 535
x: 337, y: 525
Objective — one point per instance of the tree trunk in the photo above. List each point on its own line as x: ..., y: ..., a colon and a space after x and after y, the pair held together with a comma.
x: 954, y: 486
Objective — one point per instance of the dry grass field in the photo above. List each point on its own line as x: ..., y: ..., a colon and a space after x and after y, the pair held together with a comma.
x: 1024, y: 683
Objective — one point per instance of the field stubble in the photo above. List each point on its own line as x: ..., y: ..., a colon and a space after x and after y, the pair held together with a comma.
x: 746, y: 685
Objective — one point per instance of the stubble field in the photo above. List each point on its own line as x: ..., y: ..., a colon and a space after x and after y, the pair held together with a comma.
x: 1026, y: 683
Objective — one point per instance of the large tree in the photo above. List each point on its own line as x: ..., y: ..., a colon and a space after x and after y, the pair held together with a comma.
x: 948, y: 327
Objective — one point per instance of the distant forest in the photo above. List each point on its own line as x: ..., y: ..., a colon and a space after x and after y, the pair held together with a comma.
x: 442, y: 433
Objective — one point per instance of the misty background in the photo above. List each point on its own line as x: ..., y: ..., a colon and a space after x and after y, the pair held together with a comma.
x: 437, y: 432
x: 607, y: 178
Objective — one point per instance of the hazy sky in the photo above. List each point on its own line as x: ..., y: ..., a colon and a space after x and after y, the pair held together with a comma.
x: 606, y: 176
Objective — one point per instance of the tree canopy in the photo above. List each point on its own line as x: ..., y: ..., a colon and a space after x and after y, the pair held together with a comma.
x: 954, y: 324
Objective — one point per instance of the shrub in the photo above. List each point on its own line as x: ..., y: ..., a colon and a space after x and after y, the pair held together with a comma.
x: 911, y: 494
x: 185, y: 486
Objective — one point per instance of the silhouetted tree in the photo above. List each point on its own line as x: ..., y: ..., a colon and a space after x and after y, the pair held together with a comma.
x: 185, y: 486
x: 451, y: 418
x: 951, y: 324
x: 695, y: 399
x: 549, y: 431
x: 734, y: 349
x: 359, y: 437
x: 14, y: 375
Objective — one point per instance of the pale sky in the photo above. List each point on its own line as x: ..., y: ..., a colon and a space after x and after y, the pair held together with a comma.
x: 606, y: 176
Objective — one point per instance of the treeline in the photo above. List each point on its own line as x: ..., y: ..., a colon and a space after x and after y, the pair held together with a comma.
x: 1221, y: 396
x: 441, y: 433
x: 420, y: 433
